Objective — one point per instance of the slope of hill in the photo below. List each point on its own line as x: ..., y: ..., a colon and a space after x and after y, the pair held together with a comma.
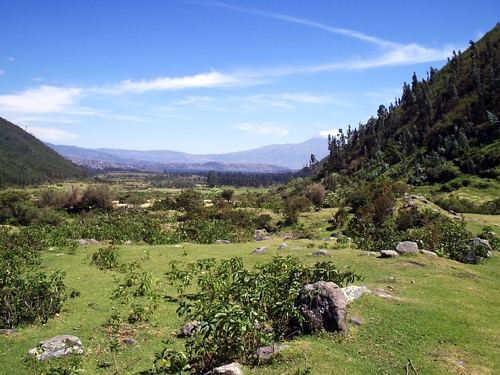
x: 292, y: 156
x: 443, y: 126
x: 27, y: 161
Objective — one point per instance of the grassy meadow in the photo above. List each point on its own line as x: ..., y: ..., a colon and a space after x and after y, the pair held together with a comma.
x: 444, y: 316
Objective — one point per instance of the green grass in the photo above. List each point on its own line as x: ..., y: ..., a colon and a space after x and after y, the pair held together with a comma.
x: 447, y: 314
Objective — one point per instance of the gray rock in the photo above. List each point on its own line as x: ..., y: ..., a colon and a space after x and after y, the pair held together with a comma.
x: 188, y: 329
x: 266, y: 352
x: 389, y: 253
x: 356, y: 321
x: 321, y: 252
x: 259, y: 250
x: 407, y: 247
x: 368, y: 254
x: 478, y: 249
x: 426, y: 252
x: 282, y: 246
x: 130, y: 341
x: 353, y: 293
x: 223, y: 242
x: 262, y: 238
x: 296, y: 248
x: 57, y: 346
x: 231, y: 369
x: 323, y: 305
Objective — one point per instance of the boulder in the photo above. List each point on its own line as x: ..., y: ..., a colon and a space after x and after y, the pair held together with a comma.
x: 259, y: 250
x: 282, y: 246
x: 407, y: 247
x: 57, y: 346
x: 389, y: 253
x: 188, y: 329
x: 478, y: 249
x: 324, y: 307
x: 231, y: 369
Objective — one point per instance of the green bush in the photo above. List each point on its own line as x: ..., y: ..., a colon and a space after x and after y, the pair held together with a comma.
x: 106, y: 258
x: 240, y: 310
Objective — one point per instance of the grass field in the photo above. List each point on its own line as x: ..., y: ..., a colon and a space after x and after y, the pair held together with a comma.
x: 445, y: 317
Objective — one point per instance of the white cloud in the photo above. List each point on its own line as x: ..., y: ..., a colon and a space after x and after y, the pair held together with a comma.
x: 212, y: 79
x: 10, y: 58
x: 392, y: 53
x: 43, y: 99
x: 2, y: 71
x: 37, y: 79
x: 325, y: 133
x: 51, y: 134
x: 262, y: 129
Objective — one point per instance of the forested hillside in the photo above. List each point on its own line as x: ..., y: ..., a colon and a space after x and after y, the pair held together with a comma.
x: 444, y: 125
x: 27, y: 161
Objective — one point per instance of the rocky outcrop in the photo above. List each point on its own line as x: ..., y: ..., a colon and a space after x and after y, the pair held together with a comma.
x: 323, y: 306
x: 57, y: 346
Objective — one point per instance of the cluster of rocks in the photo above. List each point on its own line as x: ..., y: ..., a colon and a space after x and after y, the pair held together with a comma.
x: 478, y: 249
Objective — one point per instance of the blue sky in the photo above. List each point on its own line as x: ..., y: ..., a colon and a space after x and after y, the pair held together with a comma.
x: 216, y: 77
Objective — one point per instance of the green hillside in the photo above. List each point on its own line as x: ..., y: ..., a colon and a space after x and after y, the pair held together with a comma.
x: 443, y: 126
x: 24, y: 160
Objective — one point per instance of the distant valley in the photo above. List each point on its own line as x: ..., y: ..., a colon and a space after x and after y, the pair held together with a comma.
x: 272, y: 158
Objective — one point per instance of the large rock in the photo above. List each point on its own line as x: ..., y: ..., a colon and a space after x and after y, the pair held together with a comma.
x: 231, y: 369
x: 478, y: 249
x: 57, y: 346
x: 407, y: 247
x: 323, y: 305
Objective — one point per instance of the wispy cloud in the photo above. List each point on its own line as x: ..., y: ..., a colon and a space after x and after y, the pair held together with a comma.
x: 43, y: 99
x: 262, y: 129
x: 51, y: 134
x: 10, y: 58
x: 212, y: 79
x: 37, y: 79
x: 392, y: 53
x: 2, y: 71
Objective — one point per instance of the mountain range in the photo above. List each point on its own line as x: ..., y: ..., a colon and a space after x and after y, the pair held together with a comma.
x: 270, y: 158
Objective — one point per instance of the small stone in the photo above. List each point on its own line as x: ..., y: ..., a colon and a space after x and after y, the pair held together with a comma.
x: 356, y: 321
x: 130, y: 341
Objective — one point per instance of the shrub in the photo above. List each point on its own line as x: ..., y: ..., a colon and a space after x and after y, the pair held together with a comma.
x: 99, y: 197
x: 105, y: 258
x: 240, y: 310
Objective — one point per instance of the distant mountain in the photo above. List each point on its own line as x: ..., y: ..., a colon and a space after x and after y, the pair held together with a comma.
x: 27, y: 161
x: 280, y: 157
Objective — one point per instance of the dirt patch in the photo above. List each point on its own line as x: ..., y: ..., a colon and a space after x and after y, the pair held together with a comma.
x: 414, y: 264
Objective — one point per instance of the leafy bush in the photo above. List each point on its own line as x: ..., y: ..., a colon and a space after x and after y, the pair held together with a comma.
x: 240, y: 310
x: 98, y: 197
x: 106, y: 258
